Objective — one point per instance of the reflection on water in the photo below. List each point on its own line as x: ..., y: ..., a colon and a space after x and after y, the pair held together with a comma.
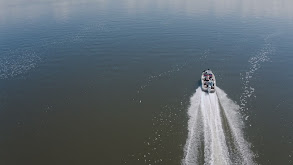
x: 245, y: 8
x: 61, y: 9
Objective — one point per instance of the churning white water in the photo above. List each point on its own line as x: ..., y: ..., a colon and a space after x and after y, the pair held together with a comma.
x: 215, y: 131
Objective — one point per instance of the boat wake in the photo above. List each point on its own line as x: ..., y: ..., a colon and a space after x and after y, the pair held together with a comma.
x: 215, y: 131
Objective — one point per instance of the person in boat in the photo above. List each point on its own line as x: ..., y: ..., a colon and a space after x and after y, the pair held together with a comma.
x: 206, y: 84
x: 206, y: 77
x: 212, y: 84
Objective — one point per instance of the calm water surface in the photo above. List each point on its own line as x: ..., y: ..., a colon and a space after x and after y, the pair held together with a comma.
x: 110, y: 82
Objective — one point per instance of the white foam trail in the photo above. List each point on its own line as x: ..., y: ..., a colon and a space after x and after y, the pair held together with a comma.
x: 193, y: 141
x: 232, y: 113
x: 207, y: 141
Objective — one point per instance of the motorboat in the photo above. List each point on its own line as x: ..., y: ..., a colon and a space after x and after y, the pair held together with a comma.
x: 208, y: 81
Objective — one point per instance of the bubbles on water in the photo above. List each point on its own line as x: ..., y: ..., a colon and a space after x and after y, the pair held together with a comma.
x: 163, y: 145
x: 255, y: 63
x: 176, y: 68
x: 17, y: 62
x: 151, y: 78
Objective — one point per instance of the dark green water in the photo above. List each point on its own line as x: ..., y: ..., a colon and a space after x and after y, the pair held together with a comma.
x: 109, y: 82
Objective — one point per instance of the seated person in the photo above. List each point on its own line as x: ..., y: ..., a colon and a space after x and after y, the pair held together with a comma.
x: 206, y: 78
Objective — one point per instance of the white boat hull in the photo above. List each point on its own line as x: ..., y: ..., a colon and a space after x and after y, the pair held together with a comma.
x: 208, y: 81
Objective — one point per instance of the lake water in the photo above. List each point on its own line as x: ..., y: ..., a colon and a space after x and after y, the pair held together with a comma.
x: 117, y: 82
